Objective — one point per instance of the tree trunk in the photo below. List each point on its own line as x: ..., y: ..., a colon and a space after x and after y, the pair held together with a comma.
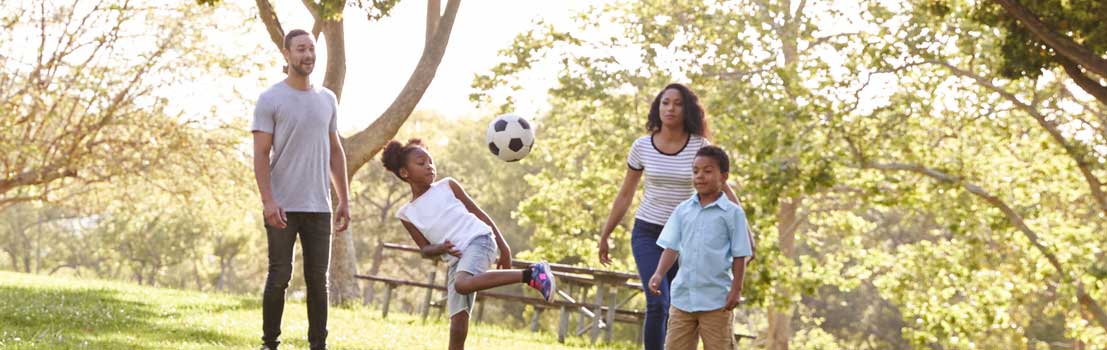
x: 343, y: 284
x: 780, y: 319
x: 196, y: 275
x: 374, y: 270
x: 220, y: 283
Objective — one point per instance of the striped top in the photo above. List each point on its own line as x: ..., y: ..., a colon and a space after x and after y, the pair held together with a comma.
x: 668, y: 176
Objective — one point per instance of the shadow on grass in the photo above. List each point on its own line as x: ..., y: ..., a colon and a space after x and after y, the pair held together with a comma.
x: 93, y: 319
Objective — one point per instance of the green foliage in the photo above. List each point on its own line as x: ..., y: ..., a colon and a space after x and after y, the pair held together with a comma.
x: 1085, y: 21
x: 804, y: 108
x: 162, y: 193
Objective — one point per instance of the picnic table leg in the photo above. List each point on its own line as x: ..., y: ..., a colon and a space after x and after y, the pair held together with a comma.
x: 601, y: 292
x: 366, y: 293
x: 581, y: 315
x: 387, y: 299
x: 611, y: 315
x: 430, y: 292
x: 563, y: 325
x: 534, y: 319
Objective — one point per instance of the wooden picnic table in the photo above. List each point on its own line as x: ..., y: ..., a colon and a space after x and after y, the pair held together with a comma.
x: 603, y: 311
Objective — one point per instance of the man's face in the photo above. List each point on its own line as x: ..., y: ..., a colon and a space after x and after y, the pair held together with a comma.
x: 300, y: 54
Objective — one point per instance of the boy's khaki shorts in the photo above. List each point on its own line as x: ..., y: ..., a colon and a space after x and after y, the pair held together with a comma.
x: 715, y: 327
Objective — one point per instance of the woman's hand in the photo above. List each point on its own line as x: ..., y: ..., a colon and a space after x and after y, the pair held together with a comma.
x: 605, y: 259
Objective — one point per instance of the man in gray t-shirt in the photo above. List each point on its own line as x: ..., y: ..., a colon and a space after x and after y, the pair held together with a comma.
x: 297, y: 154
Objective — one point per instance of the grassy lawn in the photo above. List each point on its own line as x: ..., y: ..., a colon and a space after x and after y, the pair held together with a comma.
x: 41, y: 312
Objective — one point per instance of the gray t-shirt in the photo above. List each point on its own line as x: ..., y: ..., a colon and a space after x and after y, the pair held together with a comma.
x: 299, y: 163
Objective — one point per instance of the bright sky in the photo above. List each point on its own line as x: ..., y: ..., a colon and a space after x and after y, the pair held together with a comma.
x: 380, y: 56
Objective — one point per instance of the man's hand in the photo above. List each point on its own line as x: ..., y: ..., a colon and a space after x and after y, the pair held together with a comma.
x: 733, y: 299
x: 274, y: 215
x: 655, y: 284
x: 341, y: 217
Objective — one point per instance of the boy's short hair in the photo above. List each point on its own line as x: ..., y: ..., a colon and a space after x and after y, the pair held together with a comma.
x: 718, y: 154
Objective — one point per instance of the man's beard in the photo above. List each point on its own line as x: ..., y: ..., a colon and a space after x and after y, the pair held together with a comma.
x: 300, y: 70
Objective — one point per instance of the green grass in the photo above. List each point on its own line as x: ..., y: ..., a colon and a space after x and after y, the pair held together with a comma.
x: 41, y: 312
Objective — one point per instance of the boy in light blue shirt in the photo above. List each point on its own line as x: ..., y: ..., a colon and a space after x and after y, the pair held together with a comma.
x: 708, y: 233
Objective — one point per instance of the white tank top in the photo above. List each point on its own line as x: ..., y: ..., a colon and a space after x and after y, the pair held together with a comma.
x: 440, y: 216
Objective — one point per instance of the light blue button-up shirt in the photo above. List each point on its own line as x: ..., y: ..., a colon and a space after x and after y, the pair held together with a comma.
x: 707, y: 240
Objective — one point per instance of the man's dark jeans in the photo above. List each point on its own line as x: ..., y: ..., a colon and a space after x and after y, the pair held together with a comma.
x: 315, y: 238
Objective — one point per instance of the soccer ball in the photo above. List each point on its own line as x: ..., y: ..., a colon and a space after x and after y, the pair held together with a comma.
x: 510, y: 137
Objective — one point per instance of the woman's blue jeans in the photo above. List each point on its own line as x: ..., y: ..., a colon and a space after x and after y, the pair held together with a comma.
x: 643, y: 243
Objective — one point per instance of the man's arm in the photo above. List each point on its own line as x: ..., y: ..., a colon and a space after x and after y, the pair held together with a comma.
x: 341, y: 187
x: 273, y: 213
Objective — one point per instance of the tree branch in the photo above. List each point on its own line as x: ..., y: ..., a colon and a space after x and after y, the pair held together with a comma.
x: 37, y: 177
x: 1094, y: 184
x: 366, y: 143
x: 1085, y: 83
x: 9, y: 201
x: 332, y: 28
x: 434, y: 13
x: 1063, y: 45
x: 314, y: 9
x: 272, y: 23
x: 1014, y: 219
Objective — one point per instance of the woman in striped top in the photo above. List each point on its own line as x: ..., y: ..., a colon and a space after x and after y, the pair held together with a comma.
x: 677, y: 129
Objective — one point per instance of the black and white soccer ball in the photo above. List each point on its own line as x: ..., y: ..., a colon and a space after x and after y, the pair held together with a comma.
x: 510, y: 137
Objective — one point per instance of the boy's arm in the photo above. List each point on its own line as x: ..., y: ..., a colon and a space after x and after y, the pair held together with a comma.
x: 738, y: 266
x: 504, y: 261
x: 427, y: 249
x: 669, y: 239
x: 668, y: 257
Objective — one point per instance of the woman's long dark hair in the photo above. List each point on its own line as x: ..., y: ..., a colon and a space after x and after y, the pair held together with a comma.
x: 695, y: 119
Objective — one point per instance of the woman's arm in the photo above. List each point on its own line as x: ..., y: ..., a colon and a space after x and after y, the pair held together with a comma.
x: 749, y: 229
x: 618, y: 210
x: 504, y: 262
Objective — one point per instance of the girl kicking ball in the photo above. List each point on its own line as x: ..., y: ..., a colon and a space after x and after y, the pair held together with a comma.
x: 442, y: 219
